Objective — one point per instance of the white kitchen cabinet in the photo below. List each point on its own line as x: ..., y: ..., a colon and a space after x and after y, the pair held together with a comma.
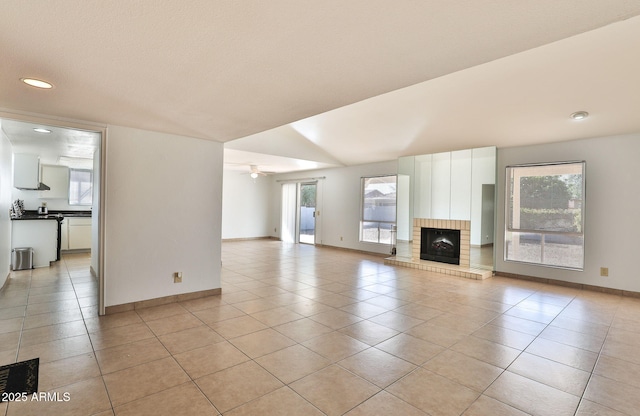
x: 57, y: 178
x: 41, y: 235
x: 26, y: 171
x: 79, y: 233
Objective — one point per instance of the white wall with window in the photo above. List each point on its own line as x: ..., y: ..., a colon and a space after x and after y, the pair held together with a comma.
x: 340, y: 205
x: 545, y: 214
x: 611, y: 220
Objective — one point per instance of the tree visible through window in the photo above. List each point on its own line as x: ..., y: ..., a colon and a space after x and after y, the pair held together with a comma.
x: 378, y: 209
x: 545, y: 214
x: 80, y: 187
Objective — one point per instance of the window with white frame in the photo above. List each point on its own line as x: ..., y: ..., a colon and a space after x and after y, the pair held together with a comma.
x: 545, y: 214
x: 80, y: 186
x: 378, y: 209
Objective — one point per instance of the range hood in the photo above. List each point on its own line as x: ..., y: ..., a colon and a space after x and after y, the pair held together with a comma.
x: 41, y: 187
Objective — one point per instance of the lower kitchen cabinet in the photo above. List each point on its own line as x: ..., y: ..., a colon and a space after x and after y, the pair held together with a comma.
x: 41, y: 235
x: 78, y: 233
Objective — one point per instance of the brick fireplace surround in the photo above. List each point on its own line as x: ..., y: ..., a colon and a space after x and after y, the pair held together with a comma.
x: 462, y: 270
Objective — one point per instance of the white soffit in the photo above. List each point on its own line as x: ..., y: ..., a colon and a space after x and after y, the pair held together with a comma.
x: 284, y: 141
x: 241, y: 161
x: 222, y: 70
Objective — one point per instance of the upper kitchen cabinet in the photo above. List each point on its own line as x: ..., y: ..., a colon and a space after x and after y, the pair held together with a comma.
x: 26, y: 171
x: 57, y: 178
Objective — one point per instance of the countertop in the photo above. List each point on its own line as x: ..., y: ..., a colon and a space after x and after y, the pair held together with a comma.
x: 53, y: 215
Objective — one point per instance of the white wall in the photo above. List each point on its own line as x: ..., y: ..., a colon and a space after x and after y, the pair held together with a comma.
x: 339, y: 196
x: 32, y: 201
x: 163, y: 214
x: 487, y: 216
x: 483, y: 172
x: 612, y: 198
x: 5, y: 204
x: 245, y: 206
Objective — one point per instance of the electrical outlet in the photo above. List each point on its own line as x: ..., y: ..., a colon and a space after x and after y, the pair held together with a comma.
x: 177, y: 277
x: 604, y: 271
x: 340, y: 238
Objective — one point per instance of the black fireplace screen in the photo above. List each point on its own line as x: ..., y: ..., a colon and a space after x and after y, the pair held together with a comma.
x: 441, y: 245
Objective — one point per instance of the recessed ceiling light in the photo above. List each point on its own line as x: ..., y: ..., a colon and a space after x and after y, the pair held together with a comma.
x: 579, y: 115
x: 38, y: 83
x: 41, y: 130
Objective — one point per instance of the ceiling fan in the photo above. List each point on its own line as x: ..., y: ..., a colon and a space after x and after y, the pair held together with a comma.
x: 255, y: 172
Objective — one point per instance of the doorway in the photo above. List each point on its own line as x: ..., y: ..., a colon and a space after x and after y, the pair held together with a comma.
x: 66, y: 149
x: 307, y: 225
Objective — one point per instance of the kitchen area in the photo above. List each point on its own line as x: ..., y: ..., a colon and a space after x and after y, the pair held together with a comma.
x: 52, y: 193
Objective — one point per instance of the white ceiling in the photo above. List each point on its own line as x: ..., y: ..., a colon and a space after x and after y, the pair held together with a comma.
x: 496, y: 72
x: 73, y: 145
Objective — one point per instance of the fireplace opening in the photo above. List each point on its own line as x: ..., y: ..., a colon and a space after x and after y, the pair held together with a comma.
x: 441, y: 245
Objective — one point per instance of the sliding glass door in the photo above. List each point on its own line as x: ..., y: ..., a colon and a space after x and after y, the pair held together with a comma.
x: 298, y: 220
x: 307, y: 226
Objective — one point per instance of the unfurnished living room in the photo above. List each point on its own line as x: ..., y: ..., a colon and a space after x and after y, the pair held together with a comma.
x: 319, y: 208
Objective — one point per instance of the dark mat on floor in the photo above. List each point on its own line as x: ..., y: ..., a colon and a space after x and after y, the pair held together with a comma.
x: 19, y: 377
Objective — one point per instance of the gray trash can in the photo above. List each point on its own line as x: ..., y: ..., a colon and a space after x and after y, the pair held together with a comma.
x: 22, y: 258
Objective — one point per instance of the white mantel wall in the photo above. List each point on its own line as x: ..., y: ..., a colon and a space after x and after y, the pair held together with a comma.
x: 163, y: 214
x: 449, y: 185
x: 612, y: 198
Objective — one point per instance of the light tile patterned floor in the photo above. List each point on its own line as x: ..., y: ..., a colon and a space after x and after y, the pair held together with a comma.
x: 302, y: 330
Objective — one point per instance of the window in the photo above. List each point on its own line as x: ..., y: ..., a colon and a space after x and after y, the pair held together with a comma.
x: 80, y: 186
x: 545, y: 214
x: 378, y: 209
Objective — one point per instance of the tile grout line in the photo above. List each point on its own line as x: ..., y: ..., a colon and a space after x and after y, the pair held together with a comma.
x: 504, y: 370
x: 24, y: 318
x: 249, y: 359
x: 595, y: 364
x: 191, y: 379
x: 84, y: 321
